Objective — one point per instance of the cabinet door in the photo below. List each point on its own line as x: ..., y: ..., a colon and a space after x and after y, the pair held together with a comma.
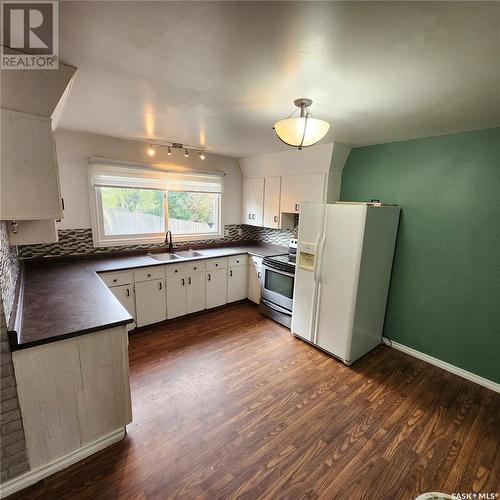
x: 176, y: 296
x: 125, y: 294
x: 298, y: 188
x: 253, y: 201
x: 272, y: 188
x: 216, y: 288
x: 150, y: 302
x: 237, y: 283
x: 29, y: 176
x: 254, y: 274
x: 196, y: 292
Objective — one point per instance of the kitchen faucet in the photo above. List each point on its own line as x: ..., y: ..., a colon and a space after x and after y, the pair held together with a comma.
x: 169, y: 243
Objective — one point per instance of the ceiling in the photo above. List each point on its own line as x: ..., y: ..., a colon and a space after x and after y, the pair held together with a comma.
x: 219, y: 74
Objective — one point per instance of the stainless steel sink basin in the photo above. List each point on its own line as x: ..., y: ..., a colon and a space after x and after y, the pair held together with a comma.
x: 186, y: 254
x: 164, y: 256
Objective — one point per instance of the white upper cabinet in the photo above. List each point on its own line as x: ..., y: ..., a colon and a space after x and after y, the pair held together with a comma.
x: 272, y: 191
x: 253, y: 201
x: 298, y: 188
x: 29, y: 176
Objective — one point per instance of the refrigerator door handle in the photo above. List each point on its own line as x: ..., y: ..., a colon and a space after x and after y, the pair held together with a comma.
x: 316, y: 245
x: 319, y: 259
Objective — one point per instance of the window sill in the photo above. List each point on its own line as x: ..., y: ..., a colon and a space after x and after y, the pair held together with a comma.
x: 156, y: 241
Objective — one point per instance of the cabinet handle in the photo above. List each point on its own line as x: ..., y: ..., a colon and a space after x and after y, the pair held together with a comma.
x: 195, y: 268
x: 149, y: 275
x: 216, y: 265
x: 189, y: 280
x: 258, y: 275
x: 230, y: 272
x: 183, y: 281
x: 249, y: 216
x: 253, y: 216
x: 209, y: 277
x: 275, y: 218
x: 161, y: 286
x: 115, y: 280
x: 175, y: 270
x: 296, y: 207
x: 128, y: 292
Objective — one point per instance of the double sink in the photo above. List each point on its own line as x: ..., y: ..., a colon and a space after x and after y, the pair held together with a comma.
x: 184, y: 254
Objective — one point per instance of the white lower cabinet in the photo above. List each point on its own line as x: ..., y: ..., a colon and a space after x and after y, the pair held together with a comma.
x: 125, y: 294
x: 176, y: 296
x: 216, y: 287
x: 237, y: 283
x: 196, y: 292
x: 150, y: 302
x: 73, y: 393
x: 254, y: 277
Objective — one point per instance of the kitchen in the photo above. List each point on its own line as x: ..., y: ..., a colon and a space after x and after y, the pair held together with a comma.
x: 248, y: 312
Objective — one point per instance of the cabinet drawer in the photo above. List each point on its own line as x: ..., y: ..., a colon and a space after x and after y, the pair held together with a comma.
x: 117, y: 278
x: 213, y: 264
x: 149, y: 273
x: 255, y: 261
x: 237, y: 260
x: 196, y: 267
x: 176, y: 269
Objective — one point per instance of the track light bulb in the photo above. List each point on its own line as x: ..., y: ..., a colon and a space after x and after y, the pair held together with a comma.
x: 150, y: 150
x: 186, y: 154
x: 169, y: 152
x: 202, y: 156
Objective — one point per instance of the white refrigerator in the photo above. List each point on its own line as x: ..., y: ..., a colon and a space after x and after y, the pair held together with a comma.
x: 344, y: 261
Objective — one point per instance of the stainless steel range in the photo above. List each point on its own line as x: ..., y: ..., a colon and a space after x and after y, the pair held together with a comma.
x: 277, y: 286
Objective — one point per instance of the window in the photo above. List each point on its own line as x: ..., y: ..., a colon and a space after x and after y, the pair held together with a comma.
x: 132, y: 205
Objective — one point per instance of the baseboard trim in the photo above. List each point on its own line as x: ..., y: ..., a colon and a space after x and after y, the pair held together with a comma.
x: 447, y: 366
x: 33, y: 476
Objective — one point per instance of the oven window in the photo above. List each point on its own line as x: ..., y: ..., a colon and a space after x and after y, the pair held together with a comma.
x: 279, y: 283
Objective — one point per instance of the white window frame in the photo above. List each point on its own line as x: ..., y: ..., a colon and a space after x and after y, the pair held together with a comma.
x: 96, y: 213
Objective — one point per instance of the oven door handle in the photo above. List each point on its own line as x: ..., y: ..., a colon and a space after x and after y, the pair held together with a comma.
x: 276, y: 307
x: 279, y: 271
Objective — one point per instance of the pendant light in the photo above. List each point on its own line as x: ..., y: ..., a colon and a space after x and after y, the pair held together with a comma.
x: 301, y: 131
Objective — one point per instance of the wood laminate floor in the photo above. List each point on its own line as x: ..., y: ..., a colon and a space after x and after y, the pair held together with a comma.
x: 228, y: 404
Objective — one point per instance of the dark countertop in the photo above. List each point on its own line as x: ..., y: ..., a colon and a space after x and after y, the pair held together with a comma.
x: 61, y: 298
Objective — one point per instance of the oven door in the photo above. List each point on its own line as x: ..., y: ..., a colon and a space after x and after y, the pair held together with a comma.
x: 277, y: 287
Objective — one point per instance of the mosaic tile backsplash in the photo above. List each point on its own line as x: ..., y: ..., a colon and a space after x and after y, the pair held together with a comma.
x: 9, y: 270
x: 79, y: 241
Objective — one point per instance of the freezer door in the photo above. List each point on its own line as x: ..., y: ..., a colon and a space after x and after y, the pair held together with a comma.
x: 344, y: 227
x: 305, y: 291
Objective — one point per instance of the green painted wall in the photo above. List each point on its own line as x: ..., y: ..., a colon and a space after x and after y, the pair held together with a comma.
x: 444, y: 298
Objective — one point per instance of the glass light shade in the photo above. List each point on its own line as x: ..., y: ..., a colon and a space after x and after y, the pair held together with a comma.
x: 291, y: 131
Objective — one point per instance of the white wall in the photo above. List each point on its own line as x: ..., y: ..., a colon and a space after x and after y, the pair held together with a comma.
x: 314, y: 159
x: 74, y: 148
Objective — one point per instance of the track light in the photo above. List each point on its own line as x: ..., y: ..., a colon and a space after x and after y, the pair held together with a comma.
x: 151, y: 149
